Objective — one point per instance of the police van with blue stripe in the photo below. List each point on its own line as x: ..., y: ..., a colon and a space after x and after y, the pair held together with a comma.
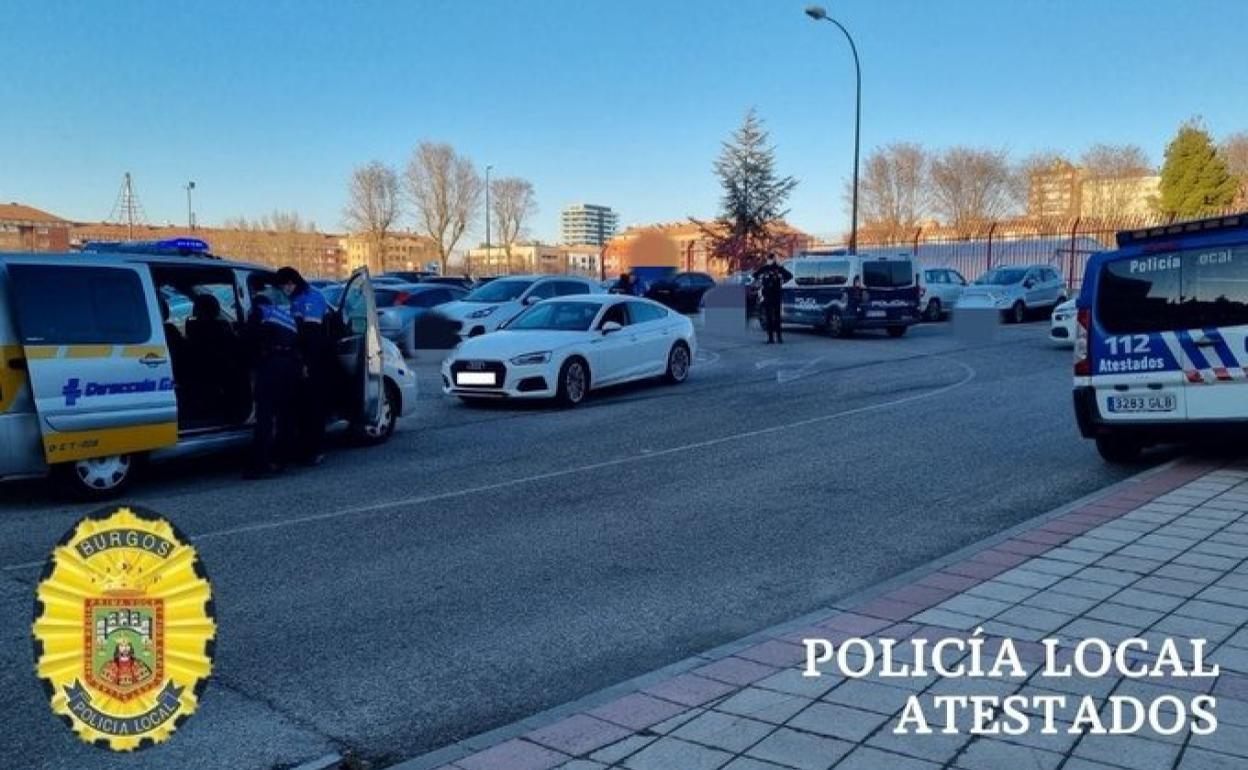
x: 840, y: 293
x: 1161, y: 339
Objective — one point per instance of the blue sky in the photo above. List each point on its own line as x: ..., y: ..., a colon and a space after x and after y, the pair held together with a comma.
x: 270, y: 105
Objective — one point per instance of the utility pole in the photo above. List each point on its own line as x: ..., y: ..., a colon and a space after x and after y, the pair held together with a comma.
x: 190, y: 211
x: 489, y: 253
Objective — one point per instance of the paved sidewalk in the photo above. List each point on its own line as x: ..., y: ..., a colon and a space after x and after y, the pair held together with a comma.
x: 1162, y: 555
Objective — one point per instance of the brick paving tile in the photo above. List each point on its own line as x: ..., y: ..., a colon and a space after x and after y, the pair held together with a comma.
x: 763, y: 705
x: 995, y: 755
x: 867, y: 758
x: 513, y: 755
x: 689, y: 689
x: 735, y: 671
x: 1127, y: 751
x: 837, y: 721
x: 670, y: 753
x: 800, y: 750
x: 724, y: 731
x: 774, y: 653
x: 578, y: 734
x: 792, y: 681
x: 636, y: 711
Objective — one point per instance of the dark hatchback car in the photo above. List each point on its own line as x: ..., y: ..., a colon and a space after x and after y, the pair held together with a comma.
x: 681, y: 292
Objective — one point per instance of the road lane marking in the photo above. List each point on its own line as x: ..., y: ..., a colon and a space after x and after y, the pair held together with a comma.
x: 969, y: 374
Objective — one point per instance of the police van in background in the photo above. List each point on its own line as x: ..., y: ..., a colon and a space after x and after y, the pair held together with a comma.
x: 133, y: 351
x: 1161, y: 338
x: 840, y: 293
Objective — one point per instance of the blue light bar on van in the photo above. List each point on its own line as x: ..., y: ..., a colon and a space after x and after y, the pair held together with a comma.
x: 168, y: 246
x: 1167, y: 232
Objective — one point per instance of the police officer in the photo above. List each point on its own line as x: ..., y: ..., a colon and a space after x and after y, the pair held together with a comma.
x: 625, y: 285
x: 310, y: 312
x: 275, y: 337
x: 770, y: 277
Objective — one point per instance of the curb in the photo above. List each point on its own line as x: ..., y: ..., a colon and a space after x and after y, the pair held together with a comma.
x: 849, y: 603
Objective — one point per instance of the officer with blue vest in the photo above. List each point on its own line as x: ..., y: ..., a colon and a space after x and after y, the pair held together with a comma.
x: 311, y: 314
x: 275, y: 340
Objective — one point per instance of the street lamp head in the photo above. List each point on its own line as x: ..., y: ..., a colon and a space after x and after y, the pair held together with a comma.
x: 816, y: 12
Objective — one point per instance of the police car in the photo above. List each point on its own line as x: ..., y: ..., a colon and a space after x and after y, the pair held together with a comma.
x: 840, y: 293
x: 1161, y: 338
x: 134, y: 351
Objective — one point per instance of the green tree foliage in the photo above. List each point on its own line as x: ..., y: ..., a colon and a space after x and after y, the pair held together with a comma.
x: 1194, y: 178
x: 754, y: 197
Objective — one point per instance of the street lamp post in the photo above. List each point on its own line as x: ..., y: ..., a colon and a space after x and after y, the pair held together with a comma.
x: 818, y: 13
x: 190, y: 212
x: 489, y: 253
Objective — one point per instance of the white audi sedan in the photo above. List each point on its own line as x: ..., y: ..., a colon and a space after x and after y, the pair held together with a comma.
x: 1062, y: 324
x: 562, y: 348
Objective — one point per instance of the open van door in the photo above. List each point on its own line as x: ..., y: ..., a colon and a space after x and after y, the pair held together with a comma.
x: 359, y: 349
x: 99, y: 365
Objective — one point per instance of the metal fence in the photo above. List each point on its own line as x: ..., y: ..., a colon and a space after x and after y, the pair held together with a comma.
x: 1061, y: 244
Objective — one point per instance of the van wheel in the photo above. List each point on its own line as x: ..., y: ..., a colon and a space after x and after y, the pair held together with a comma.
x: 1116, y: 449
x: 381, y: 431
x: 677, y: 364
x: 933, y: 312
x: 573, y: 382
x: 96, y: 478
x: 1018, y: 313
x: 896, y: 331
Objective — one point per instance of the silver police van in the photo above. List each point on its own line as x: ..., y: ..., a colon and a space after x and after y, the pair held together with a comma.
x: 138, y: 351
x: 1161, y: 338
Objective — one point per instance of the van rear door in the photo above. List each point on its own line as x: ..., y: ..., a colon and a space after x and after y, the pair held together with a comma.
x: 891, y: 290
x: 95, y: 349
x: 1215, y: 340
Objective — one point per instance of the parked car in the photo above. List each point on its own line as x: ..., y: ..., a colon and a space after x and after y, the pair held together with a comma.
x: 942, y: 287
x: 402, y: 307
x: 458, y: 281
x: 488, y: 307
x: 100, y: 378
x: 1062, y: 324
x: 681, y: 292
x: 1016, y: 292
x: 842, y: 293
x: 406, y: 276
x: 564, y: 347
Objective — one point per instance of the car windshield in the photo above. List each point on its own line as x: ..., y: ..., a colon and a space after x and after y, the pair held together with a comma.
x: 1002, y: 276
x: 557, y: 316
x: 498, y: 291
x: 390, y: 297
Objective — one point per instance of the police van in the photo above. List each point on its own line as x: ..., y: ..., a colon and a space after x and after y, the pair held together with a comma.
x: 840, y: 293
x: 135, y: 351
x: 1161, y: 337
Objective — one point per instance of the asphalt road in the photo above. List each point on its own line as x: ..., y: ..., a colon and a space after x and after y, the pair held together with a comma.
x: 489, y: 563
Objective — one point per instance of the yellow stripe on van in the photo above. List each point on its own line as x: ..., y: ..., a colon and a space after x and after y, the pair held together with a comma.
x: 43, y: 351
x: 81, y: 445
x: 12, y: 374
x: 88, y: 351
x: 138, y: 351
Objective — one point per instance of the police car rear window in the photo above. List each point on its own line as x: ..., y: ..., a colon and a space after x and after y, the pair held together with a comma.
x: 79, y: 305
x: 820, y: 272
x: 1165, y: 292
x: 887, y: 275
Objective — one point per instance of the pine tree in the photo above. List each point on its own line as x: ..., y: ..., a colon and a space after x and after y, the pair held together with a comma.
x: 1194, y: 178
x: 753, y: 202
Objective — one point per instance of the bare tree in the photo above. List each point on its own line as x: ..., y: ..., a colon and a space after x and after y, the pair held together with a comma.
x: 373, y: 206
x: 1113, y: 184
x: 893, y: 189
x: 1234, y: 152
x: 446, y: 189
x: 513, y: 203
x: 1028, y: 170
x: 970, y: 186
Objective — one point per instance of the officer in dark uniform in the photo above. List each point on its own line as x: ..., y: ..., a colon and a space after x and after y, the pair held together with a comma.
x: 310, y: 311
x: 771, y: 277
x: 275, y: 337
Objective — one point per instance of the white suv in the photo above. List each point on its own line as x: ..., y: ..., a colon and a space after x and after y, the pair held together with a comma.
x: 488, y: 307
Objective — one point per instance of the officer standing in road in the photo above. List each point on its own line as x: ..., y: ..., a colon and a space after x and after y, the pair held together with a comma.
x: 275, y: 337
x: 625, y: 285
x: 310, y: 312
x: 771, y: 277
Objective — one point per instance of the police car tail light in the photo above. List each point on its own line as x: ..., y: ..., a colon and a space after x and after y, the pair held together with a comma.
x: 1083, y: 363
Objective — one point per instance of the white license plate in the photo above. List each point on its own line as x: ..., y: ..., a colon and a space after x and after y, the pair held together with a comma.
x: 877, y: 313
x: 1142, y: 404
x: 475, y: 378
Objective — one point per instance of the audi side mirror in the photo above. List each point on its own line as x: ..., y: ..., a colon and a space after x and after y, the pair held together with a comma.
x: 610, y: 326
x: 532, y: 299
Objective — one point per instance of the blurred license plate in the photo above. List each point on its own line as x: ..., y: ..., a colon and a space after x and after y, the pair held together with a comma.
x: 475, y: 378
x: 877, y: 313
x: 1138, y: 404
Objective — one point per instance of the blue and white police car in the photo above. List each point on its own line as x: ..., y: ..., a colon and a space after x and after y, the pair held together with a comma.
x: 840, y: 293
x: 1161, y: 339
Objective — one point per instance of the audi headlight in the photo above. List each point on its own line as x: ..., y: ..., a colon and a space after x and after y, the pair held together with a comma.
x: 529, y: 359
x: 483, y: 312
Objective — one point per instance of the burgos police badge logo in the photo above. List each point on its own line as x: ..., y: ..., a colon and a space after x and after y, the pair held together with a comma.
x: 124, y: 628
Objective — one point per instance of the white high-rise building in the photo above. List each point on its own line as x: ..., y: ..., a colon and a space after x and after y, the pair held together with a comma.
x: 587, y: 224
